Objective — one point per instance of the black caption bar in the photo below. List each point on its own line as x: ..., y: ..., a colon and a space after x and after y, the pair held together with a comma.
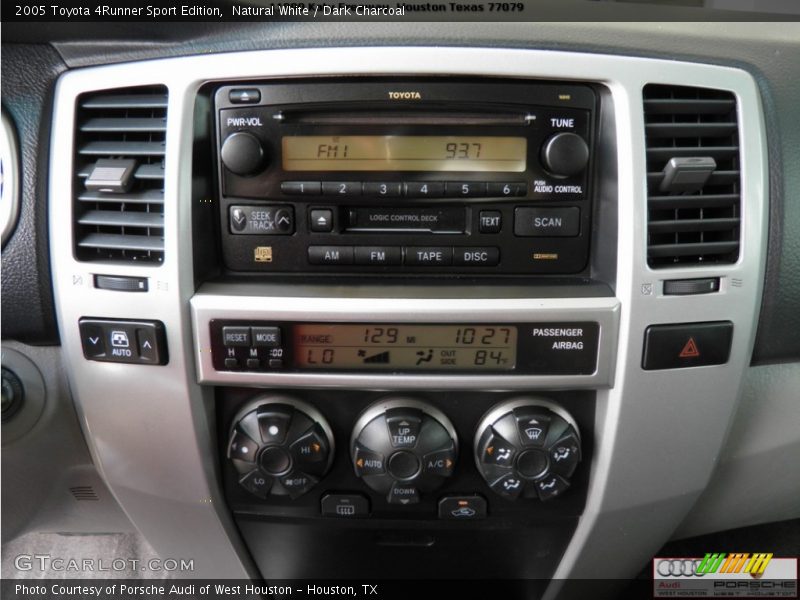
x: 364, y: 10
x: 366, y: 588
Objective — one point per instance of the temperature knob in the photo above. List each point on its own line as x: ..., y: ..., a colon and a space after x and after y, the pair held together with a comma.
x: 403, y: 448
x: 565, y: 154
x: 528, y: 448
x: 243, y: 154
x: 280, y: 446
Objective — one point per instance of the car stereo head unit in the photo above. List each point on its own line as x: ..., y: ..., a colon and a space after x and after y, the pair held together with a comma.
x: 369, y: 176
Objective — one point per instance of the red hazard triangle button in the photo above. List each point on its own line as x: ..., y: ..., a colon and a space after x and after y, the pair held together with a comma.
x: 690, y: 349
x: 687, y: 345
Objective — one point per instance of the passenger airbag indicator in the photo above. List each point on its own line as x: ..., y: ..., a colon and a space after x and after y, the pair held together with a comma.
x: 561, y: 348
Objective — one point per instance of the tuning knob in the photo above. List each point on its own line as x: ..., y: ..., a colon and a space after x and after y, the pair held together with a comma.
x: 527, y: 448
x: 402, y: 448
x: 565, y: 154
x: 243, y: 154
x: 280, y: 446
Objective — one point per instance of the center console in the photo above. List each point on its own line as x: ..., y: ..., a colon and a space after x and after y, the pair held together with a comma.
x: 413, y: 320
x: 351, y: 214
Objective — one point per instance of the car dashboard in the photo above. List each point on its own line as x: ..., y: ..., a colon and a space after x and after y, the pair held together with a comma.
x: 387, y: 307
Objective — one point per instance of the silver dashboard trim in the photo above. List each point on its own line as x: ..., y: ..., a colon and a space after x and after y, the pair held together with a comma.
x: 208, y: 306
x: 178, y: 506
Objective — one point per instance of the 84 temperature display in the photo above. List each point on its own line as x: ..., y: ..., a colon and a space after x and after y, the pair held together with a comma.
x: 394, y: 347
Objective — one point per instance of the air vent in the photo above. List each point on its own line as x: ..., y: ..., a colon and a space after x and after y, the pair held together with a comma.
x: 84, y: 492
x: 693, y: 191
x: 119, y: 188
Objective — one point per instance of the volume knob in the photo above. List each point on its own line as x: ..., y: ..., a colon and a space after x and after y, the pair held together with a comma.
x: 242, y: 153
x: 565, y: 154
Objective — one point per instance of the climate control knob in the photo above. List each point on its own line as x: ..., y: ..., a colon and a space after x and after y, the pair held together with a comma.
x: 280, y: 446
x: 402, y: 448
x: 242, y: 153
x: 527, y: 448
x: 565, y: 154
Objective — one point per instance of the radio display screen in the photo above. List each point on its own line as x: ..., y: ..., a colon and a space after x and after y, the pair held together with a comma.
x: 404, y: 153
x: 392, y: 347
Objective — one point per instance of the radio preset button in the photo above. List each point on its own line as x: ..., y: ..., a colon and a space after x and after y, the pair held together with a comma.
x: 547, y: 222
x: 382, y: 189
x: 424, y: 189
x: 341, y: 188
x: 301, y: 188
x: 464, y: 189
x: 428, y: 256
x: 330, y: 255
x: 378, y: 255
x: 322, y: 220
x: 519, y: 188
x: 490, y: 221
x: 476, y: 257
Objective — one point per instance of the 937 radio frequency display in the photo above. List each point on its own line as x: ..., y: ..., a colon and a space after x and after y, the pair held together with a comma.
x: 404, y: 153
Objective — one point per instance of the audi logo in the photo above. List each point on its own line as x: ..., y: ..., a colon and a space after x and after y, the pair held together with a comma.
x: 679, y: 567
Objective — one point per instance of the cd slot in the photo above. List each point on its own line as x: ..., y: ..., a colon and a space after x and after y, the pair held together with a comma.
x: 394, y: 117
x: 406, y: 220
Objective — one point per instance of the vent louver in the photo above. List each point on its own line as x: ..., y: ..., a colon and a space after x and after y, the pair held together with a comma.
x: 119, y: 188
x: 698, y: 223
